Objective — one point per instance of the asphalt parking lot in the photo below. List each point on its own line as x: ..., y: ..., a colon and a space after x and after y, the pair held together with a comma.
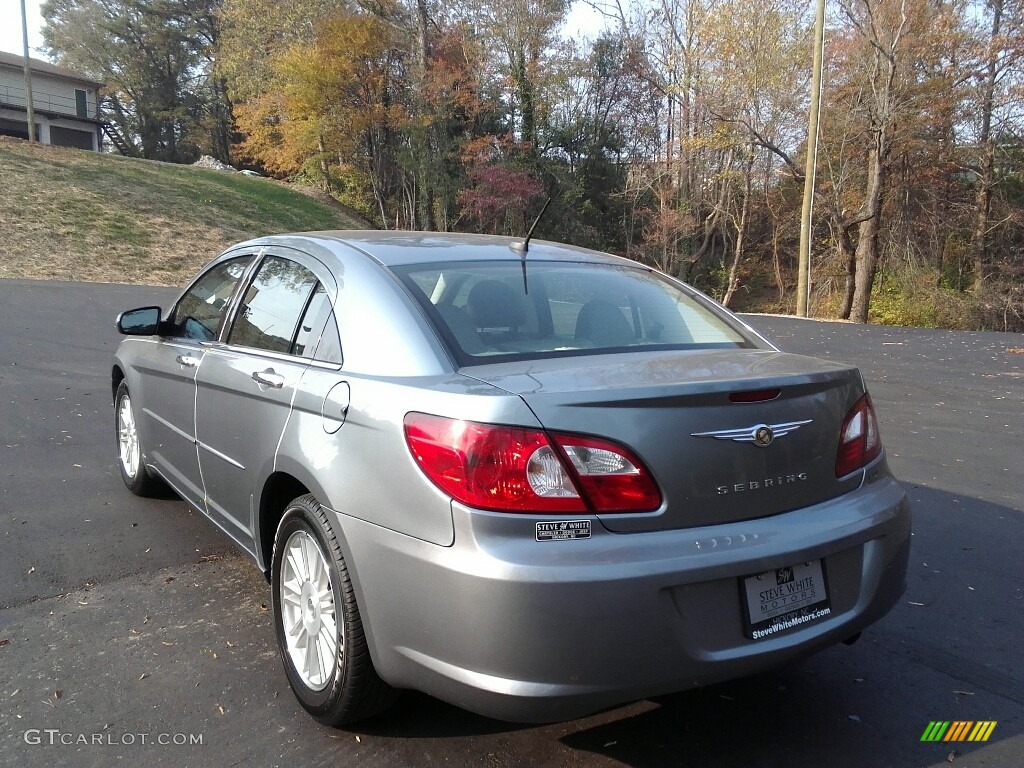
x: 132, y: 632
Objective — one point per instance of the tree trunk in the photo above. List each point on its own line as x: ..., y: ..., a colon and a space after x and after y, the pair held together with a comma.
x: 324, y: 168
x: 848, y: 254
x: 524, y: 90
x: 425, y: 191
x: 986, y: 180
x: 867, y: 234
x: 741, y: 231
x: 780, y: 282
x: 224, y: 122
x: 982, y: 211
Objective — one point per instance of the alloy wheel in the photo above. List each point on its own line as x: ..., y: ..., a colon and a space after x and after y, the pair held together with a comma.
x: 308, y: 611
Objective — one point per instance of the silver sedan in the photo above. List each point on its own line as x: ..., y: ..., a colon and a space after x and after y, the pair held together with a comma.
x: 529, y: 479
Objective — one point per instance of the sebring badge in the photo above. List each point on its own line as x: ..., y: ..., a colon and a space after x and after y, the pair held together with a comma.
x: 761, y: 435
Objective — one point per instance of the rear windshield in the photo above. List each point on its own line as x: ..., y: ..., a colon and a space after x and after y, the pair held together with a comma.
x: 491, y: 311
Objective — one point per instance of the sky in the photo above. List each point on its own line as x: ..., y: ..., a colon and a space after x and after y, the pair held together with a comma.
x: 582, y: 21
x: 10, y: 27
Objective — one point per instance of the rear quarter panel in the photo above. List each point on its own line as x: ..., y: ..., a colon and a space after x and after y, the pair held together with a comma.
x: 365, y: 469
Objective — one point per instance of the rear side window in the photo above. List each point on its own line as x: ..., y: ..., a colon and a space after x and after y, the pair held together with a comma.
x: 201, y: 309
x: 494, y: 311
x: 317, y: 336
x: 272, y: 305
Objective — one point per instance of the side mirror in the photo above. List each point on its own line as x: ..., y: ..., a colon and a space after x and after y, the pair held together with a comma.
x: 139, y: 322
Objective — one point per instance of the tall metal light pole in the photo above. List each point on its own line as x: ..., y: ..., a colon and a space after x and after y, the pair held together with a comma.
x: 803, y: 285
x: 28, y: 77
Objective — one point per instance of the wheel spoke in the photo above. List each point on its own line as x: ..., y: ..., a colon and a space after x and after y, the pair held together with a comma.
x: 307, y: 574
x: 311, y: 663
x: 291, y: 590
x: 328, y: 638
x: 325, y: 646
x: 315, y: 564
x: 297, y: 570
x: 326, y: 602
x: 324, y: 658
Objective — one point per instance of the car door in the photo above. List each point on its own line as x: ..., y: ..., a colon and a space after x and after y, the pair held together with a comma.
x: 245, y: 387
x: 168, y: 370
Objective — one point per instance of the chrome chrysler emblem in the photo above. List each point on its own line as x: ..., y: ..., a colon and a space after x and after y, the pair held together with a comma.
x: 761, y: 435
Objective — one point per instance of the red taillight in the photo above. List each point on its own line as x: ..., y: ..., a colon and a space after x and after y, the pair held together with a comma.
x: 513, y: 469
x: 612, y: 478
x: 859, y: 441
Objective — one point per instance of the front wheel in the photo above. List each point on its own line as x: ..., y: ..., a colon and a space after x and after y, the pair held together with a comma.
x: 317, y: 620
x: 130, y: 457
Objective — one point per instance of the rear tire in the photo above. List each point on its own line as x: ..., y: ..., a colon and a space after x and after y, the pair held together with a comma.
x: 317, y: 621
x: 131, y: 459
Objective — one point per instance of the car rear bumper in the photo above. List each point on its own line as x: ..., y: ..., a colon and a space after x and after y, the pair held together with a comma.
x: 521, y: 630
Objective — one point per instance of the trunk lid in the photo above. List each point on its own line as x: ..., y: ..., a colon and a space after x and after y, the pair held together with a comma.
x: 660, y: 404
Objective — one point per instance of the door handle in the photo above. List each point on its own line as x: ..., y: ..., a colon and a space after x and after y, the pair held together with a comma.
x: 187, y: 360
x: 268, y: 378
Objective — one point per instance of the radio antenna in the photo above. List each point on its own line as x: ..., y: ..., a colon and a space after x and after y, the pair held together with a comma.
x: 523, y: 247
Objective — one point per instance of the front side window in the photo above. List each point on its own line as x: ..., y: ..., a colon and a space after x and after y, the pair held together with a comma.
x: 272, y: 305
x: 495, y: 310
x: 199, y: 313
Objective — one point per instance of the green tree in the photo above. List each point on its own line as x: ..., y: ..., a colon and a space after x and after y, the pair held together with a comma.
x: 154, y: 56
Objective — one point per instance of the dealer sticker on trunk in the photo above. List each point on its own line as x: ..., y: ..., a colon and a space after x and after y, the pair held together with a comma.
x: 563, y: 530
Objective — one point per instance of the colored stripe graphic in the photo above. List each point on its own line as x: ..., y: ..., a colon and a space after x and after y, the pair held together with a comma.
x: 982, y: 730
x: 958, y: 730
x: 935, y: 731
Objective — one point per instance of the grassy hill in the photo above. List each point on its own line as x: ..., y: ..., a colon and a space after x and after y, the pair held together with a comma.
x: 72, y: 215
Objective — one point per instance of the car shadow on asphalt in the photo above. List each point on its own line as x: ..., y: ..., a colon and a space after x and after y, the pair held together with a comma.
x: 417, y: 715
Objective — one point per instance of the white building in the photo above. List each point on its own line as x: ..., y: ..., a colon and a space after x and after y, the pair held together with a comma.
x: 65, y: 104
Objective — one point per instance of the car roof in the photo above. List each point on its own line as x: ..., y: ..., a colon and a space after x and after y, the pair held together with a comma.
x: 396, y: 248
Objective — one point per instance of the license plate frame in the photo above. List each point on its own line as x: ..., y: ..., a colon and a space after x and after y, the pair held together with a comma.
x: 783, y: 599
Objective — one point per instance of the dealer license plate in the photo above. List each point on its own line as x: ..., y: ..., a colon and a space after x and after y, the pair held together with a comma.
x: 785, y: 598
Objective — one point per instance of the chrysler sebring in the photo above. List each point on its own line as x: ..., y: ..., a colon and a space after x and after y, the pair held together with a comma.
x: 529, y: 479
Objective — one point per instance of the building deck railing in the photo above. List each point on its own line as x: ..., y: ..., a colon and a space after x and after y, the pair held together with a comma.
x: 46, y: 101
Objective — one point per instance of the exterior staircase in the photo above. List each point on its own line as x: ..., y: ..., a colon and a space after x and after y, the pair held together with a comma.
x: 117, y: 139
